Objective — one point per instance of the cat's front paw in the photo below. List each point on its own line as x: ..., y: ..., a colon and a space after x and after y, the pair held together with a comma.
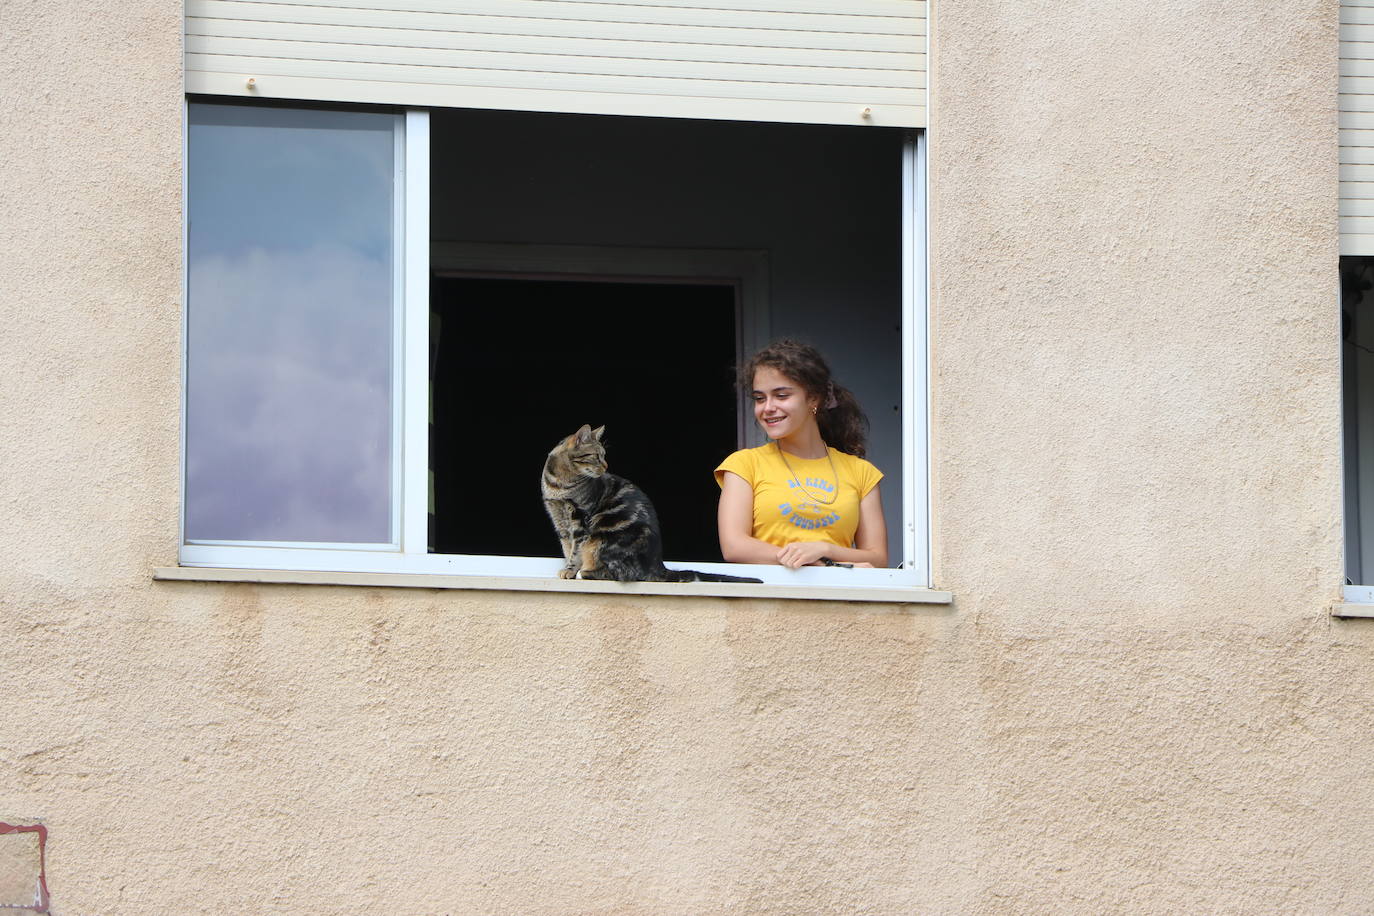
x: 567, y: 572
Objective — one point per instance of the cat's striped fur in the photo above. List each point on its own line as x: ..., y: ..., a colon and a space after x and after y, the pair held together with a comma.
x: 607, y: 525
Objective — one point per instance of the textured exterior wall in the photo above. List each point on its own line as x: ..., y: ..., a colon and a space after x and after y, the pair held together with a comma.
x: 1138, y: 701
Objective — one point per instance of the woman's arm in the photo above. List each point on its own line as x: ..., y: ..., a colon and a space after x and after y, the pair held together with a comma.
x: 870, y: 541
x: 735, y: 521
x: 871, y: 538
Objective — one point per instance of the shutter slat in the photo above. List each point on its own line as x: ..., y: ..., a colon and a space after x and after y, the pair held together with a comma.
x: 1357, y: 173
x: 1357, y: 83
x: 1351, y: 66
x: 1356, y: 120
x: 1352, y: 102
x: 1357, y: 245
x: 1356, y: 32
x: 1357, y: 225
x: 1357, y: 155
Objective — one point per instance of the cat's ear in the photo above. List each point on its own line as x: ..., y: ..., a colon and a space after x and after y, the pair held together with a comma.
x: 584, y: 435
x: 598, y: 432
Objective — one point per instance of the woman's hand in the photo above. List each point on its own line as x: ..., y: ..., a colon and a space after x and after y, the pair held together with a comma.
x: 803, y: 553
x: 869, y: 550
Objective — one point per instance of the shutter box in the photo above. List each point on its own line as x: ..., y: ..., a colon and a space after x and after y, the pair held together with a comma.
x: 1356, y: 212
x: 857, y: 62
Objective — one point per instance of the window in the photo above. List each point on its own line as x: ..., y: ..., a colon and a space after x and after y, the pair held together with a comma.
x: 381, y: 306
x: 1357, y: 381
x: 1356, y: 223
x: 291, y: 388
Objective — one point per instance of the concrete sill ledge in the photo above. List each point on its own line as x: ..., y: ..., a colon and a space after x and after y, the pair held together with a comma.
x: 878, y: 595
x: 1349, y: 609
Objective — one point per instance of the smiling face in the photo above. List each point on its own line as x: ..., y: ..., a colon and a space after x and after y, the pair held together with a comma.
x: 781, y: 406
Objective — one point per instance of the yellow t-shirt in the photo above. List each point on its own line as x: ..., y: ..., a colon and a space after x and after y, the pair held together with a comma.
x: 783, y: 512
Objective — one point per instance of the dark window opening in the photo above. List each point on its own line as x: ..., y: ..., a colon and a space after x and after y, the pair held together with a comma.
x: 821, y: 204
x: 519, y: 363
x: 1357, y: 381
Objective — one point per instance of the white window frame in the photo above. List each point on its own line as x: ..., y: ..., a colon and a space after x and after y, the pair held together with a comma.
x: 408, y: 554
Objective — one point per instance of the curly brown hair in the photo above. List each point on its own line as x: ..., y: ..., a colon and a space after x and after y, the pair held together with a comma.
x: 842, y: 421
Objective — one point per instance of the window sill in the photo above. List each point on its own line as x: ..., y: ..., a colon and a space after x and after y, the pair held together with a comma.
x: 1358, y: 602
x: 1352, y: 609
x: 877, y: 595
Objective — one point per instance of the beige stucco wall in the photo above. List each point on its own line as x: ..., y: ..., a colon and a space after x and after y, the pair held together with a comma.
x: 1137, y: 702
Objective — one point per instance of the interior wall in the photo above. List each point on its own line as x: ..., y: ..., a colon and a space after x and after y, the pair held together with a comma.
x: 823, y: 202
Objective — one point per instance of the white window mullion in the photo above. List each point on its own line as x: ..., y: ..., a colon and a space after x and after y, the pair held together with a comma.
x: 185, y: 309
x: 415, y: 337
x: 915, y: 362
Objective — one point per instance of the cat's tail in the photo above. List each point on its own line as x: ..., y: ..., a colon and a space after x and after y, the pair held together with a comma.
x: 692, y: 575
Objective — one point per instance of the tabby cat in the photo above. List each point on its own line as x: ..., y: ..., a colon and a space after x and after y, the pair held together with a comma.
x: 607, y: 526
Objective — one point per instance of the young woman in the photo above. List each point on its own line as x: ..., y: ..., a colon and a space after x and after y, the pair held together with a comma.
x: 808, y: 498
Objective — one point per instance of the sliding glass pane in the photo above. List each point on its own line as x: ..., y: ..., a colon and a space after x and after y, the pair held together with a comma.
x: 290, y: 407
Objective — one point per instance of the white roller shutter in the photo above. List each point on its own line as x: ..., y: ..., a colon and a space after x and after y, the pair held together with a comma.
x: 1357, y: 127
x: 809, y: 61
